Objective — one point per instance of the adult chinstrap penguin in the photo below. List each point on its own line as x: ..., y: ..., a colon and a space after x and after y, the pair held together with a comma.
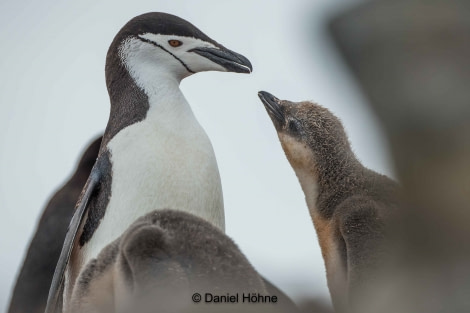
x: 154, y: 153
x: 349, y: 204
x: 35, y: 276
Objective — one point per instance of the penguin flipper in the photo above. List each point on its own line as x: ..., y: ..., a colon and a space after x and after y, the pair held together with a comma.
x: 362, y: 229
x: 54, y: 303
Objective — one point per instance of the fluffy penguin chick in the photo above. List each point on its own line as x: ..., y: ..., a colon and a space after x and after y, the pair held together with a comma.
x: 154, y: 152
x: 160, y: 262
x: 349, y: 204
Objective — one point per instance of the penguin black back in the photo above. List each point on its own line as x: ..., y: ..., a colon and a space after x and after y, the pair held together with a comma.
x: 35, y: 276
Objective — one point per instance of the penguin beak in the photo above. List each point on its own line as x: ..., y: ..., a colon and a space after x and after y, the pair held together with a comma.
x: 230, y: 60
x: 273, y: 107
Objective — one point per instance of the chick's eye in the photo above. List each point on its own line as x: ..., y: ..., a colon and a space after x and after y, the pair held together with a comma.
x: 293, y: 126
x: 175, y: 43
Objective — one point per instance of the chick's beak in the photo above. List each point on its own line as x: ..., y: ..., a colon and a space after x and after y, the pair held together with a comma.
x: 273, y: 107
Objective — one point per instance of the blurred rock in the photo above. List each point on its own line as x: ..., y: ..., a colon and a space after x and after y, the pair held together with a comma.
x: 412, y: 60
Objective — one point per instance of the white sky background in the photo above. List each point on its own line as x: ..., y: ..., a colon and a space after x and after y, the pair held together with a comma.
x: 53, y: 101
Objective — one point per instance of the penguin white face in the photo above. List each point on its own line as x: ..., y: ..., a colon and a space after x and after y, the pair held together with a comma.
x: 196, y: 55
x: 151, y: 57
x: 153, y: 46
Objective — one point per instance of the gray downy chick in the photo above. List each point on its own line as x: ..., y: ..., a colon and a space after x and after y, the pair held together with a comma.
x: 163, y: 259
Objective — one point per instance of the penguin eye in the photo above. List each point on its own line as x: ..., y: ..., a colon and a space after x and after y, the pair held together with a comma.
x: 175, y: 43
x: 293, y: 126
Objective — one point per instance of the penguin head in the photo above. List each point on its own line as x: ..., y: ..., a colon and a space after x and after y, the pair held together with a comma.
x: 307, y: 131
x: 155, y: 45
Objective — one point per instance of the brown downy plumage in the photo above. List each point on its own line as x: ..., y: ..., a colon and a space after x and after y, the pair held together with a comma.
x: 349, y: 204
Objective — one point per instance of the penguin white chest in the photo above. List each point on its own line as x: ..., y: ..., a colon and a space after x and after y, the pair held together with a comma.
x: 159, y: 168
